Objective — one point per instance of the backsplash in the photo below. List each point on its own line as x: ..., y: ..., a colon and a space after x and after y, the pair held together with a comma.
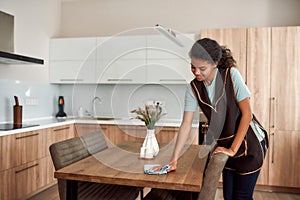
x: 116, y: 100
x: 119, y: 100
x: 43, y: 95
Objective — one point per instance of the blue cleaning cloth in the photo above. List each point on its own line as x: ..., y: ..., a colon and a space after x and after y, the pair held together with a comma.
x: 148, y: 169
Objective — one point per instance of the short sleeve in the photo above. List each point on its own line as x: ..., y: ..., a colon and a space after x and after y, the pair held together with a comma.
x: 240, y: 86
x: 190, y: 103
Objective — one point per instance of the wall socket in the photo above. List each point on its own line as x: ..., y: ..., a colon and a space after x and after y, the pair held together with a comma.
x: 31, y: 101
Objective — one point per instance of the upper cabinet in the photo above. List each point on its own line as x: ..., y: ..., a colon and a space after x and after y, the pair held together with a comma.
x: 167, y: 62
x: 72, y: 60
x: 121, y: 59
x: 128, y: 59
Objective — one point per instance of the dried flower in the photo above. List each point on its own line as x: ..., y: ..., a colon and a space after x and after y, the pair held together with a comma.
x: 150, y: 115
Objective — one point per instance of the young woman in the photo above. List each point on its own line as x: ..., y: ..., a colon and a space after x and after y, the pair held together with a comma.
x: 222, y: 95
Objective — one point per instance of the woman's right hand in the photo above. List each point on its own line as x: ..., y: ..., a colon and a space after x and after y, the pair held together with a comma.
x: 172, y: 165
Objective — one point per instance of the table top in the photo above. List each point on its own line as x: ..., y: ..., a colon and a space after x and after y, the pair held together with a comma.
x: 121, y: 165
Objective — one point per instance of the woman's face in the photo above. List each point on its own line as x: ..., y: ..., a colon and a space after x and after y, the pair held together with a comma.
x: 203, y: 70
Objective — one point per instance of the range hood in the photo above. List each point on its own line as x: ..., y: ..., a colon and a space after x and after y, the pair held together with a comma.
x: 7, y: 55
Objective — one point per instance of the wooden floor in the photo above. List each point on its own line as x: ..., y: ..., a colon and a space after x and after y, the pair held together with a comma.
x: 52, y: 194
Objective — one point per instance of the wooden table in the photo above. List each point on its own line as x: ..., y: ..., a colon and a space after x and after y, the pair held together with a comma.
x: 121, y: 165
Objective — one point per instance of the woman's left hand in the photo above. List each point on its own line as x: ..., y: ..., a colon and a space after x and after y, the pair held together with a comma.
x: 228, y: 152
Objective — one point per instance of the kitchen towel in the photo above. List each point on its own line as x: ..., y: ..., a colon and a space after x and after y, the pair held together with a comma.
x: 148, y: 169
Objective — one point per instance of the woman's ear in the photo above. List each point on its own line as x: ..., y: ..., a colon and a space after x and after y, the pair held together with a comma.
x: 216, y: 64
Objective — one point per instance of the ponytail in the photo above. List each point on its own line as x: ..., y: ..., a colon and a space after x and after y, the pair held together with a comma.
x: 226, y: 60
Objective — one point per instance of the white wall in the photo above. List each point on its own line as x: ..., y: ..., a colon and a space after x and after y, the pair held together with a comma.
x: 109, y: 17
x: 35, y: 22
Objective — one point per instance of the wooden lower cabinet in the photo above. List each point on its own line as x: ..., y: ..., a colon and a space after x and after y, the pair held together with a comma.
x: 83, y: 129
x: 26, y: 165
x: 21, y: 181
x: 21, y: 148
x: 284, y: 162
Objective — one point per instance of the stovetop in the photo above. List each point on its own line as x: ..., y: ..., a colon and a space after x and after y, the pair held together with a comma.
x: 7, y: 127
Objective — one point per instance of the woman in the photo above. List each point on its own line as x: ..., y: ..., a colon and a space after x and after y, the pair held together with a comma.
x: 221, y: 93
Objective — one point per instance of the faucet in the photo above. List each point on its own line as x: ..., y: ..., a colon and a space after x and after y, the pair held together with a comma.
x: 93, y: 105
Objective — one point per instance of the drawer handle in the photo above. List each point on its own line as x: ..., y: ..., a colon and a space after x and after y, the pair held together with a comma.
x: 18, y: 171
x: 60, y: 129
x: 172, y: 80
x: 26, y: 136
x: 118, y: 79
x: 70, y: 79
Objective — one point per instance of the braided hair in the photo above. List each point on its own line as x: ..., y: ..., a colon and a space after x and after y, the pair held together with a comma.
x: 210, y: 51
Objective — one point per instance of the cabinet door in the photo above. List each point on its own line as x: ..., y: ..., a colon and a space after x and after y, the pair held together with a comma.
x: 121, y: 71
x: 83, y: 129
x: 7, y: 183
x: 284, y: 159
x: 235, y: 39
x: 73, y: 60
x: 259, y: 79
x: 57, y: 134
x: 167, y: 62
x: 72, y: 49
x: 70, y: 71
x: 169, y: 71
x: 285, y: 78
x: 121, y: 59
x: 121, y: 46
x: 32, y: 176
x: 21, y: 148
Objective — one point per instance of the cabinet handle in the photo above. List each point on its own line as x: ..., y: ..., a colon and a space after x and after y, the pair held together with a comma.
x: 119, y: 79
x: 70, y: 79
x: 170, y: 80
x: 274, y: 111
x: 18, y: 171
x: 26, y: 136
x: 60, y: 129
x: 273, y: 148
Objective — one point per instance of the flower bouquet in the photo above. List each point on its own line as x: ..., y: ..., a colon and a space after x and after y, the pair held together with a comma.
x: 150, y: 116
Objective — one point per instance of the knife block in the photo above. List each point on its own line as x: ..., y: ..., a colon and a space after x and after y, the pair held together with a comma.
x: 17, y: 114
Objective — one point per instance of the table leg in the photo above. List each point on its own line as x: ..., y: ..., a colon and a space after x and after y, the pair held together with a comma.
x: 71, y: 190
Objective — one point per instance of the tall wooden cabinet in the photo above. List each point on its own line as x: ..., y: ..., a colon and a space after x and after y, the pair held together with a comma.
x: 271, y: 71
x: 258, y: 76
x: 285, y: 107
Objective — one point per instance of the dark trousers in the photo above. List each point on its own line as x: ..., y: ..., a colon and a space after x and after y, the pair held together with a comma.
x: 239, y: 187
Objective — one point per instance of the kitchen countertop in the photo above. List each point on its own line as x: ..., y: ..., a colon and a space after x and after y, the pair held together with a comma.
x: 49, y: 122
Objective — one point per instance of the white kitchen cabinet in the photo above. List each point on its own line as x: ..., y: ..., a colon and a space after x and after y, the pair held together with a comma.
x: 130, y: 59
x: 69, y: 71
x: 167, y: 62
x: 121, y: 71
x: 126, y: 47
x: 121, y: 59
x: 73, y: 60
x: 72, y: 48
x: 169, y: 71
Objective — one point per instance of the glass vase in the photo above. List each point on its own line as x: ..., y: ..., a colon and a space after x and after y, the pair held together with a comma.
x: 150, y: 146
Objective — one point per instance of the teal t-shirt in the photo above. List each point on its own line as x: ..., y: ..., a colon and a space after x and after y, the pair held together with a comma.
x: 242, y: 92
